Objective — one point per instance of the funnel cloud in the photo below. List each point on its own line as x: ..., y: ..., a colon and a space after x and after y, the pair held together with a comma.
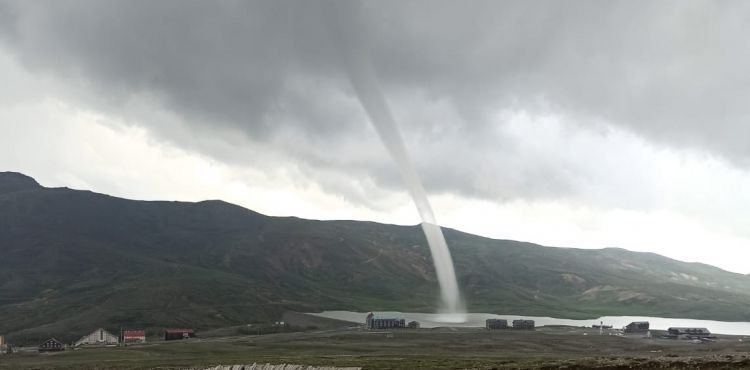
x: 362, y: 77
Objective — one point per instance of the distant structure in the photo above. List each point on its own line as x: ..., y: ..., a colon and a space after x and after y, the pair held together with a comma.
x: 3, y: 346
x: 601, y: 327
x: 177, y: 334
x: 51, y: 345
x: 133, y: 336
x: 98, y: 337
x: 523, y: 324
x: 413, y: 324
x: 637, y: 327
x: 373, y: 322
x: 688, y: 333
x: 492, y: 324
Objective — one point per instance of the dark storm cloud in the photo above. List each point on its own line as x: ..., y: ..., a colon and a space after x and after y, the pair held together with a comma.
x: 671, y: 71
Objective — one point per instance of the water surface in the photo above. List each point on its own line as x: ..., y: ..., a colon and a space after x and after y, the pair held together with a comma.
x: 432, y: 320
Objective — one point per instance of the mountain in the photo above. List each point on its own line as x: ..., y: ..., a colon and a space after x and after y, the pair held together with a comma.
x: 72, y: 260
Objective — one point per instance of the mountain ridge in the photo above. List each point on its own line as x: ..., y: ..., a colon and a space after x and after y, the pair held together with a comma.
x: 75, y: 259
x: 16, y: 181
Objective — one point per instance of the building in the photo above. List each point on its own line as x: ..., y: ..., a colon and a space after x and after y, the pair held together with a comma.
x: 523, y: 324
x: 689, y: 333
x: 637, y: 327
x: 496, y: 324
x: 3, y: 346
x: 413, y: 324
x: 133, y: 336
x: 98, y: 337
x: 177, y: 334
x: 374, y: 322
x: 51, y: 345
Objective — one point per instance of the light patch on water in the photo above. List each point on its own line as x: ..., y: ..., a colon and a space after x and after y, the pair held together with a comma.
x: 451, y: 318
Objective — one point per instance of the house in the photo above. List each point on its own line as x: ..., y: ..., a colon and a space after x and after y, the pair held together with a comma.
x: 492, y: 324
x: 523, y: 324
x: 637, y: 327
x: 133, y: 336
x: 177, y: 334
x: 51, y: 345
x: 98, y: 337
x: 373, y: 322
x: 689, y: 333
x: 413, y: 324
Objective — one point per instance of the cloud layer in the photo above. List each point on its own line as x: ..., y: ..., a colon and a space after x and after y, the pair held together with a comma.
x: 669, y: 71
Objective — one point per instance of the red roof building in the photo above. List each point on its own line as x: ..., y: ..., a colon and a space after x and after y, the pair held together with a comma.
x: 176, y: 334
x: 134, y: 336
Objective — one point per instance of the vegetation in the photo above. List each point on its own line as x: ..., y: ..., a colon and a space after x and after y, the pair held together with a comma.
x: 76, y: 260
x: 271, y: 328
x: 548, y: 348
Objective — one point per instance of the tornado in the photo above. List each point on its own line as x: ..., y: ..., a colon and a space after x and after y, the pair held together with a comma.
x: 346, y: 22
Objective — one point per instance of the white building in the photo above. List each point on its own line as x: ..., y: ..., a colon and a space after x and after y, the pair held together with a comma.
x: 98, y: 337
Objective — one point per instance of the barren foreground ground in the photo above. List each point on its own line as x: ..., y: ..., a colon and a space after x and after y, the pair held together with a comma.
x: 443, y: 348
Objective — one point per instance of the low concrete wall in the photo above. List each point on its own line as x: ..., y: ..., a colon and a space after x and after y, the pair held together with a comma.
x: 278, y: 367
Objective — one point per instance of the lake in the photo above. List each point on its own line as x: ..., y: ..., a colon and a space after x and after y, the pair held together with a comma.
x: 431, y: 320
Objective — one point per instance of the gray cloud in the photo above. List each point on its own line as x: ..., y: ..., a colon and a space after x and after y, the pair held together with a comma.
x: 265, y: 76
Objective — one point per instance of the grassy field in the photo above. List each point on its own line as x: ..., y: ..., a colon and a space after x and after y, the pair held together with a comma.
x: 442, y: 348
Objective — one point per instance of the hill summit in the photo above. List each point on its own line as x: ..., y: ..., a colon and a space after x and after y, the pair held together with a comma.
x: 76, y: 260
x: 14, y: 181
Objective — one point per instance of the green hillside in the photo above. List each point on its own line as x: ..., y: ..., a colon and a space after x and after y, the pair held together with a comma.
x: 71, y: 261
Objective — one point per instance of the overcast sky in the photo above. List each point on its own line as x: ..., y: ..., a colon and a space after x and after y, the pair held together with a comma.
x: 578, y: 124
